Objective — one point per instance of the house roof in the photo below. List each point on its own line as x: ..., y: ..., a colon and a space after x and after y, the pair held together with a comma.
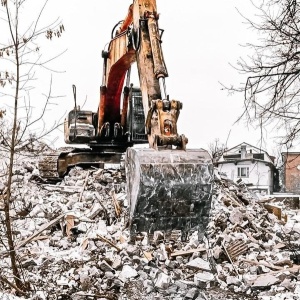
x: 238, y: 147
x: 244, y: 143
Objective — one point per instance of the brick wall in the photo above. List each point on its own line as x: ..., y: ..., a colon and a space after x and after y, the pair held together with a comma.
x: 292, y: 172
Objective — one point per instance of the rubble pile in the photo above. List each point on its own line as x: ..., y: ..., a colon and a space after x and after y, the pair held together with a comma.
x: 72, y: 240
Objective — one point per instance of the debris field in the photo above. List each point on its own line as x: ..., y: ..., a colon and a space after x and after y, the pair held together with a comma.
x: 72, y: 241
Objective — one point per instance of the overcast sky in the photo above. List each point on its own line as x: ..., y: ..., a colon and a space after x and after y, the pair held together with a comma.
x: 200, y: 40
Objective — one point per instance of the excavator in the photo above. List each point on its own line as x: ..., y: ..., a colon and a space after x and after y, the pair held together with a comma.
x: 169, y: 187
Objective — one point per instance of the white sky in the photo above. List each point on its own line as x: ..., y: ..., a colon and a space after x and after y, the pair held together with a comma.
x: 201, y: 38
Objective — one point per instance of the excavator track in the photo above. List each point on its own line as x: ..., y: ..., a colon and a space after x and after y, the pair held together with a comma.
x: 168, y: 190
x: 48, y: 163
x: 54, y: 165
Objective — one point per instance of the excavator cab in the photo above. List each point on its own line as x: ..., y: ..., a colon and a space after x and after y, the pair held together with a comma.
x: 79, y: 126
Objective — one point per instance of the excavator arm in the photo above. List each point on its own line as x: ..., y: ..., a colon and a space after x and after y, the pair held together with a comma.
x: 138, y: 40
x: 169, y: 187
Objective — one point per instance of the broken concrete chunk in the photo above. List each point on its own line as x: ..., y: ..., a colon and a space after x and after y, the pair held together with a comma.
x: 232, y: 280
x: 127, y: 273
x: 104, y: 266
x: 117, y: 263
x: 192, y: 294
x: 199, y: 263
x: 236, y: 216
x: 265, y: 281
x: 204, y: 277
x: 162, y: 281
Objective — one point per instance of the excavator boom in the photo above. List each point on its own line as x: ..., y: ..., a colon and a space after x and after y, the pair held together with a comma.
x: 169, y: 186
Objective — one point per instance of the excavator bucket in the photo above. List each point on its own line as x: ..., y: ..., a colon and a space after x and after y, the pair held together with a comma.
x: 168, y: 190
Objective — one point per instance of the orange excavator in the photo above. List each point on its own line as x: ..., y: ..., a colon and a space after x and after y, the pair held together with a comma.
x: 169, y: 187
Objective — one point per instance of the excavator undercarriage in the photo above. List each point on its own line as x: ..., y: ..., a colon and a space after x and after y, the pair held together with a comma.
x: 169, y: 187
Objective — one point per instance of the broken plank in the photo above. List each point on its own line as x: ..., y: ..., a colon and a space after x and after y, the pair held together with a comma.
x: 103, y: 239
x: 61, y: 188
x: 293, y: 269
x: 39, y: 231
x: 276, y: 210
x: 84, y: 185
x: 262, y: 263
x: 187, y: 252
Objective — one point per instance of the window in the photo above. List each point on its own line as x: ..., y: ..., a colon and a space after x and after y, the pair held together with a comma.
x: 243, y: 172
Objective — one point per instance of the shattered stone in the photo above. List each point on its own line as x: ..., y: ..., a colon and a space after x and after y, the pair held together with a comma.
x: 232, y: 280
x: 199, y: 263
x: 104, y: 266
x: 127, y: 273
x: 265, y: 281
x: 162, y: 281
x: 192, y: 294
x: 204, y: 277
x: 236, y: 216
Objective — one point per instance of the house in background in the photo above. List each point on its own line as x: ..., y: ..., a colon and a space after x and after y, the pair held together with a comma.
x: 254, y: 166
x: 291, y: 172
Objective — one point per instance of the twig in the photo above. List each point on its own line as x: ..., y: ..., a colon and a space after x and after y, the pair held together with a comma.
x: 108, y: 242
x: 12, y: 285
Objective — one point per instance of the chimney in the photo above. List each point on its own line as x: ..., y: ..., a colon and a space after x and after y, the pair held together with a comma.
x: 243, y: 151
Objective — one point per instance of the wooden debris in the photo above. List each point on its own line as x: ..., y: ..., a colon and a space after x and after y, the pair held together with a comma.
x: 236, y: 248
x: 84, y: 185
x: 38, y: 232
x: 188, y: 252
x: 266, y: 200
x: 148, y: 255
x: 84, y: 244
x: 233, y: 201
x: 69, y: 223
x: 274, y: 210
x: 40, y: 238
x: 122, y: 239
x: 284, y: 262
x: 230, y: 259
x: 279, y: 246
x: 100, y: 199
x: 61, y: 188
x: 262, y: 263
x: 107, y: 295
x: 103, y: 239
x: 294, y: 269
x: 116, y: 204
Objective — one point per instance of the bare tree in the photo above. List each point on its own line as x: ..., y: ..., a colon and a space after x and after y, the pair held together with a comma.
x: 272, y: 85
x: 21, y: 57
x: 216, y: 149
